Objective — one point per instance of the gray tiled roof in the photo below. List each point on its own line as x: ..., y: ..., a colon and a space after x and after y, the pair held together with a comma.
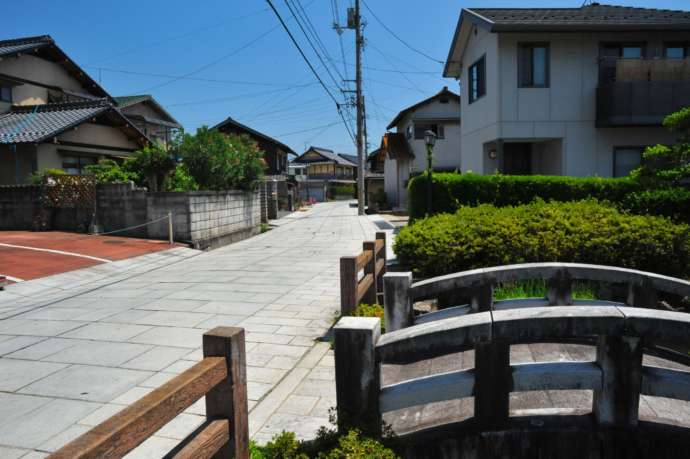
x: 23, y: 44
x: 36, y: 123
x: 595, y: 15
x: 335, y: 157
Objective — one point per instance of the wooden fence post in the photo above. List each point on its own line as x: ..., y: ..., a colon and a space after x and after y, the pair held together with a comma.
x: 348, y: 285
x: 381, y: 236
x: 620, y: 360
x: 228, y: 400
x: 370, y: 268
x: 357, y: 374
x: 482, y: 297
x: 560, y: 289
x: 492, y: 386
x: 397, y: 301
x: 642, y: 295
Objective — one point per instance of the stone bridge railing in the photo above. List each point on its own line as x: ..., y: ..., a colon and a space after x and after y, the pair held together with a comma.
x: 617, y: 376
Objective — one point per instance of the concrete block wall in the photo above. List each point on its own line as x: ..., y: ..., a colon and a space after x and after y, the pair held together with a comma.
x: 121, y: 205
x: 214, y: 215
x: 203, y: 218
x: 17, y: 206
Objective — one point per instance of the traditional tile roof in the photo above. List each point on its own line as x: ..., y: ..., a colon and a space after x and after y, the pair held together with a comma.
x: 18, y: 45
x: 442, y: 93
x: 37, y: 123
x: 124, y: 102
x: 587, y: 17
x: 330, y: 155
x: 236, y: 124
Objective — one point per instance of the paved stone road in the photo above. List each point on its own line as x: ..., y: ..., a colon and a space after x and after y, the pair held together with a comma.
x: 76, y: 348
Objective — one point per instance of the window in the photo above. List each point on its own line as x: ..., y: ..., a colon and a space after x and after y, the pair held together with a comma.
x: 675, y: 50
x: 420, y: 129
x: 75, y: 164
x: 533, y: 65
x: 625, y: 159
x: 477, y: 79
x: 408, y: 132
x: 5, y: 94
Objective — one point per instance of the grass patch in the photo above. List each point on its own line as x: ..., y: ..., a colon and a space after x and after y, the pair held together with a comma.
x: 537, y: 289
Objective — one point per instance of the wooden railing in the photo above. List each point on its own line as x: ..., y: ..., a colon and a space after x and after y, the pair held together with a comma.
x: 621, y: 333
x: 478, y: 284
x: 220, y: 377
x: 371, y: 262
x: 617, y: 376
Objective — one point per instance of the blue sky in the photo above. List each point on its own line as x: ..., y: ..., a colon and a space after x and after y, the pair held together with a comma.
x: 205, y: 60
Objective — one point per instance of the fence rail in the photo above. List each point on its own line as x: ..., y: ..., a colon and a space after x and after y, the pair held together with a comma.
x: 621, y: 333
x: 367, y: 288
x: 220, y: 377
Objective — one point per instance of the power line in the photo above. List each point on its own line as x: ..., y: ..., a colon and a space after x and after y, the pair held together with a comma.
x: 306, y: 35
x: 309, y: 130
x: 311, y: 67
x: 396, y: 67
x: 336, y: 24
x: 316, y: 36
x: 214, y: 62
x: 438, y: 61
x: 208, y: 80
x: 181, y: 36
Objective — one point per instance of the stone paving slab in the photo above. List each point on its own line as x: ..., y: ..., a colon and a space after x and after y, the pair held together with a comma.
x: 99, y: 338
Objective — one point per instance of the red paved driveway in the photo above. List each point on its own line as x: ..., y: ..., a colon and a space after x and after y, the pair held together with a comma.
x: 28, y: 255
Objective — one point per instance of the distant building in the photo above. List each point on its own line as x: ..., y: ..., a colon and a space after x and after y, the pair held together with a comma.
x: 276, y: 152
x: 405, y: 148
x: 326, y: 169
x: 567, y: 91
x: 149, y: 116
x: 53, y: 115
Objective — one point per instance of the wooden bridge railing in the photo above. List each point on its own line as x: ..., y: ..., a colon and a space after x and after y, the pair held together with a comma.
x: 220, y: 376
x: 401, y: 292
x: 617, y: 376
x: 367, y: 288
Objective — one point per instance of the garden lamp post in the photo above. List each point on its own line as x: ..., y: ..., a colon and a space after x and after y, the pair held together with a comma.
x: 430, y: 141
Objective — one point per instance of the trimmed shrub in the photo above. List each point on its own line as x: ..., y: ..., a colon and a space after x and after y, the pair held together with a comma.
x: 669, y: 202
x: 451, y: 191
x: 583, y: 232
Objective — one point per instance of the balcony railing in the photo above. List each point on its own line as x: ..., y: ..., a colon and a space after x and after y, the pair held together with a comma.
x: 330, y: 176
x: 641, y: 92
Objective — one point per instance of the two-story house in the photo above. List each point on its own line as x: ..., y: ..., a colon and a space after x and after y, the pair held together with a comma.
x: 275, y: 152
x: 326, y: 168
x: 149, y: 116
x: 568, y: 91
x: 53, y: 115
x: 406, y: 153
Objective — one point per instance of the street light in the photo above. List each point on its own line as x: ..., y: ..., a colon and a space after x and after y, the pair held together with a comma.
x: 430, y: 141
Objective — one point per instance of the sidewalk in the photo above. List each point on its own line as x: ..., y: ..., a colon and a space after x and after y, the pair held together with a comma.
x: 69, y: 360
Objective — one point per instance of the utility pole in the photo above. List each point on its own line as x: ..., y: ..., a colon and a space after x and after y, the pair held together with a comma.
x: 354, y: 21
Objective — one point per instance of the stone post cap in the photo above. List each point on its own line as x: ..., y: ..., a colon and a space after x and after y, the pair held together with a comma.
x: 358, y: 323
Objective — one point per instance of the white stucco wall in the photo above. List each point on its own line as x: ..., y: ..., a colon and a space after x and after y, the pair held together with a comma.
x: 40, y: 70
x: 565, y: 111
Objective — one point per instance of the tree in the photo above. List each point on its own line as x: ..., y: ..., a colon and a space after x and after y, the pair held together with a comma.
x: 218, y: 161
x: 109, y: 171
x: 668, y: 164
x: 152, y: 164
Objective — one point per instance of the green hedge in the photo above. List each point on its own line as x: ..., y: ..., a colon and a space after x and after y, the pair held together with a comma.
x: 670, y: 202
x: 451, y: 190
x: 584, y: 232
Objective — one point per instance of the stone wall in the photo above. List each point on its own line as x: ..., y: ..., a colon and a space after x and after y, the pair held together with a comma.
x: 202, y: 218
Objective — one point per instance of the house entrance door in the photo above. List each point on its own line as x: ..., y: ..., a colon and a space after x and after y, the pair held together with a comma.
x: 517, y: 158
